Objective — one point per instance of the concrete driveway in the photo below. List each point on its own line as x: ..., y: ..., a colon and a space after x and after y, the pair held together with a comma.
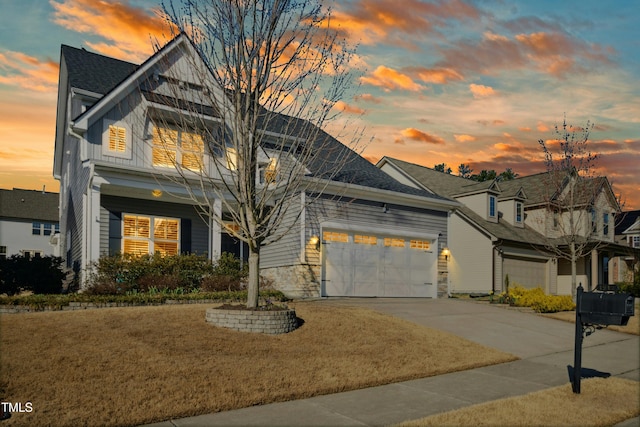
x: 527, y: 335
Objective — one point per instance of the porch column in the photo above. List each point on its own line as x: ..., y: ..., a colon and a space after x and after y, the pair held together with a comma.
x: 93, y: 229
x: 595, y: 269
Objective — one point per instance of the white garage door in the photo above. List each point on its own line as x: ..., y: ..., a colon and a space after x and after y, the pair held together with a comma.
x: 364, y: 264
x: 526, y: 272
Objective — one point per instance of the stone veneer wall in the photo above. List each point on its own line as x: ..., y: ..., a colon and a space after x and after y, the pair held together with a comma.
x: 295, y: 281
x: 258, y: 321
x: 443, y: 284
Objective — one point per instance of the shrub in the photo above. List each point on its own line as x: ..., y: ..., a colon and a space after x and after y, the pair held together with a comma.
x: 630, y: 288
x: 539, y: 301
x: 41, y: 275
x: 125, y: 273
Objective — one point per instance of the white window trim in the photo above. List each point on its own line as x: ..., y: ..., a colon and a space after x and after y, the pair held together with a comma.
x: 519, y: 205
x: 495, y: 206
x: 127, y: 154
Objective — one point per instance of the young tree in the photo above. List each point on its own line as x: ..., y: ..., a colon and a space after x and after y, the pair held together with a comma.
x: 570, y: 191
x: 273, y: 72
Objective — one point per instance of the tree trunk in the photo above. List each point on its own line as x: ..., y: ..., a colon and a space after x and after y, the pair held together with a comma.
x: 253, y: 286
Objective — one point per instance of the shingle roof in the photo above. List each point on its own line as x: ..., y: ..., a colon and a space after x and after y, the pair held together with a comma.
x: 450, y: 185
x: 29, y: 204
x: 93, y: 72
x: 627, y: 219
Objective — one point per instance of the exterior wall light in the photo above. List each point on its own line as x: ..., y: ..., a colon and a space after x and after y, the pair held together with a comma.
x: 315, y: 242
x: 446, y: 252
x: 156, y: 193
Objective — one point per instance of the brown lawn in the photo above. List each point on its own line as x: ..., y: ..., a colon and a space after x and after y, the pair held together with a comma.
x: 633, y: 327
x: 602, y: 402
x: 124, y: 366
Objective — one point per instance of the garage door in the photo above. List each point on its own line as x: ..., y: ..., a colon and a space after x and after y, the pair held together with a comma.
x: 364, y: 264
x: 526, y: 272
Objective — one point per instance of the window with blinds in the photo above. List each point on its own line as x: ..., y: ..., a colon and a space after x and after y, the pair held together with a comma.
x: 172, y: 147
x: 117, y: 139
x: 145, y: 234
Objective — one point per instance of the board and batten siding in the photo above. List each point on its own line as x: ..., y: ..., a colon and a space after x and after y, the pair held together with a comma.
x: 199, y: 235
x: 475, y: 274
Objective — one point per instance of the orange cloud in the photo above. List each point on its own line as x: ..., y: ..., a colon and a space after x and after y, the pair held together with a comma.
x: 439, y: 75
x: 418, y: 135
x: 464, y: 138
x: 346, y: 108
x: 481, y: 91
x: 28, y: 72
x: 127, y: 29
x: 367, y: 97
x: 372, y: 21
x: 389, y: 79
x: 542, y: 127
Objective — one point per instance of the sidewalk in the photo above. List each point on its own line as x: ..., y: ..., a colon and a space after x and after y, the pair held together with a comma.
x: 544, y: 345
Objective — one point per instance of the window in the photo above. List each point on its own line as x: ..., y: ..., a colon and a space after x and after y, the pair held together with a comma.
x: 144, y: 234
x: 518, y: 212
x: 334, y: 236
x: 36, y: 228
x: 31, y: 253
x: 365, y: 240
x: 594, y: 221
x: 47, y: 229
x: 556, y: 219
x: 420, y: 244
x: 57, y: 228
x: 635, y: 241
x: 605, y: 224
x: 492, y: 206
x: 3, y: 252
x: 116, y: 139
x: 172, y: 147
x: 393, y: 242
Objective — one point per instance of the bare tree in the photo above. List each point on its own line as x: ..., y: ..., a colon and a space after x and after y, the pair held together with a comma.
x: 571, y: 191
x: 261, y: 85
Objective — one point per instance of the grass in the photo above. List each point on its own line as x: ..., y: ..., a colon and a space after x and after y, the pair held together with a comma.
x: 124, y: 366
x: 602, y: 402
x: 632, y: 327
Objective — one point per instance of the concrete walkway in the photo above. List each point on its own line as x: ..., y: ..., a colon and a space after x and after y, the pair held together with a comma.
x: 544, y: 345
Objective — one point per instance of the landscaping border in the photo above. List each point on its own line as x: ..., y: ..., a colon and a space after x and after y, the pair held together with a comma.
x: 271, y: 322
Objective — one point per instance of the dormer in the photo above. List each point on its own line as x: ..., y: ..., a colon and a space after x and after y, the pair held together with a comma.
x: 511, y: 206
x: 482, y: 198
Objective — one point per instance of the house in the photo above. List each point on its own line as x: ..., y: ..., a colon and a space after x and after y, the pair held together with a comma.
x: 28, y: 223
x: 366, y: 234
x: 506, y: 228
x: 624, y: 268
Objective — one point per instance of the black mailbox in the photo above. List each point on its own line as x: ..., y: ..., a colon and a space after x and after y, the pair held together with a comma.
x: 600, y: 308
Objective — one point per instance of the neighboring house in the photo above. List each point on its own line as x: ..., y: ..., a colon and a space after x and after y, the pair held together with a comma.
x: 28, y: 223
x: 504, y: 228
x: 369, y: 235
x: 623, y: 268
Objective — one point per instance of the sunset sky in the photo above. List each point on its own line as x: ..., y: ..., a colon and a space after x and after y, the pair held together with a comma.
x: 476, y: 82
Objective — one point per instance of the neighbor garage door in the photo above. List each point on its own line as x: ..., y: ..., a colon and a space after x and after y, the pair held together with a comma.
x: 365, y: 264
x: 526, y: 272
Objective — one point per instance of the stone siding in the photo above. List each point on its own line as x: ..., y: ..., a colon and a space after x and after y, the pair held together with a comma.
x: 295, y: 281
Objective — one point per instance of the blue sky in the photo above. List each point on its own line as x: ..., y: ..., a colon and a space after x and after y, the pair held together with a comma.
x: 476, y: 82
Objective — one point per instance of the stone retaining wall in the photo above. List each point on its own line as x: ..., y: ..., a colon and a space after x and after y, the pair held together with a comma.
x: 10, y: 309
x: 259, y: 321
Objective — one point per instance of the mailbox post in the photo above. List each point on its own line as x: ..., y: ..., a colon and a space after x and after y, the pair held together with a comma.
x: 596, y: 309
